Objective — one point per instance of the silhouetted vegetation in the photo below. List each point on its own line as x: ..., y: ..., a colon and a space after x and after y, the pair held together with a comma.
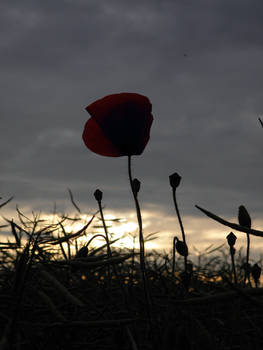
x: 56, y: 294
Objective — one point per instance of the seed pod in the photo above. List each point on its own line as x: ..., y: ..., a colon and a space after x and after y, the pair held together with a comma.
x: 256, y: 272
x: 175, y: 180
x: 136, y: 185
x: 98, y: 195
x: 243, y: 217
x: 231, y: 239
x: 181, y: 247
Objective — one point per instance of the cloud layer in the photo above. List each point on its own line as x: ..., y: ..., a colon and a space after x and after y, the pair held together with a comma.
x: 199, y: 63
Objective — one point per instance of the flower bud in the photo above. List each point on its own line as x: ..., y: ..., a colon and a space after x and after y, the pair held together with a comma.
x: 98, y: 195
x: 231, y: 239
x: 181, y: 247
x: 136, y: 185
x: 175, y: 180
x: 256, y: 272
x: 243, y: 217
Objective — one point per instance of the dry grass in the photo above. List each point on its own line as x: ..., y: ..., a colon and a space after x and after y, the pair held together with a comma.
x: 56, y: 297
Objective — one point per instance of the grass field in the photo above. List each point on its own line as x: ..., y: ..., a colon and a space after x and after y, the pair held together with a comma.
x: 57, y: 293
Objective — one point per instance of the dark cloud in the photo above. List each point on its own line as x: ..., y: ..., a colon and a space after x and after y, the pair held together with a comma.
x: 199, y: 63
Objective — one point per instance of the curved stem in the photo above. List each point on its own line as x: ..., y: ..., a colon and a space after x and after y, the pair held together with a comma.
x: 141, y: 240
x: 139, y: 217
x: 181, y: 225
x: 105, y: 230
x: 108, y: 243
x: 98, y: 235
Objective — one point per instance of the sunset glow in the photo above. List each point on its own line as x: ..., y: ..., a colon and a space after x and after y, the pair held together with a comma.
x: 201, y: 232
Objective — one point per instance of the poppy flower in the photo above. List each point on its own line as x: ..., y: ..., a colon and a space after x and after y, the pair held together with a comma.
x: 119, y: 125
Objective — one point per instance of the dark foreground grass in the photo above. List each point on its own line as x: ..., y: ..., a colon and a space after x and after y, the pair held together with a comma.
x: 56, y: 297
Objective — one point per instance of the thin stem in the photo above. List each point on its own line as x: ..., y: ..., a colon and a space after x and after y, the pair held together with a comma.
x: 248, y: 247
x: 181, y: 225
x: 233, y: 265
x: 108, y: 243
x: 133, y: 262
x: 247, y: 262
x: 139, y: 218
x: 105, y: 230
x: 231, y: 224
x: 173, y: 266
x: 141, y: 240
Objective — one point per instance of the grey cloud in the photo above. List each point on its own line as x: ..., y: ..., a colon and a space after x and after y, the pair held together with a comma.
x: 57, y: 57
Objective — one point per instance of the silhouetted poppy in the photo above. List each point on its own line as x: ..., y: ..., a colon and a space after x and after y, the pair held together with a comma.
x: 119, y: 125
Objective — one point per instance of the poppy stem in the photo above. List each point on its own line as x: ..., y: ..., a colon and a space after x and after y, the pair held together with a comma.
x: 141, y: 240
x: 181, y: 225
x: 173, y: 265
x: 107, y: 241
x: 105, y: 230
x: 233, y: 264
x: 247, y: 273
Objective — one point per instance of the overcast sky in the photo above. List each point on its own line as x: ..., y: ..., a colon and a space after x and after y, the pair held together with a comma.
x: 200, y: 64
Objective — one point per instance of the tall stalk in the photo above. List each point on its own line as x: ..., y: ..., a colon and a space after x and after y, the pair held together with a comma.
x: 245, y: 220
x: 231, y: 240
x: 174, y: 182
x: 247, y: 272
x: 232, y: 253
x: 98, y: 196
x: 133, y: 183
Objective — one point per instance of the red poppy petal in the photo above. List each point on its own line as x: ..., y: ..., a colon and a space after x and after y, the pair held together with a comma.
x: 125, y: 119
x: 146, y: 131
x: 101, y: 108
x: 95, y: 140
